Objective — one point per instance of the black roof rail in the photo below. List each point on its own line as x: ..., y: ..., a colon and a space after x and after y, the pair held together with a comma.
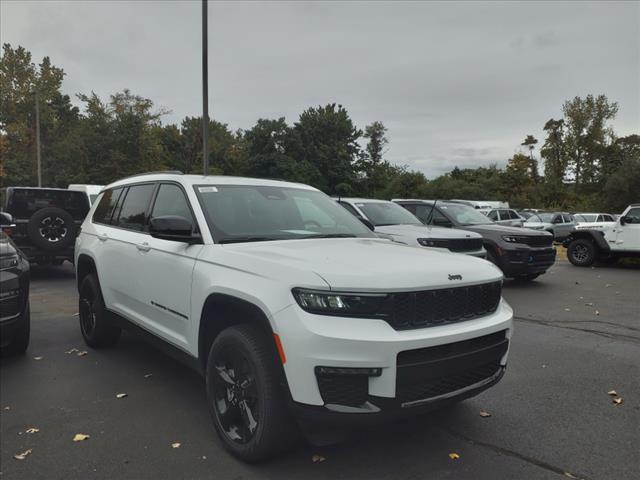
x: 159, y: 172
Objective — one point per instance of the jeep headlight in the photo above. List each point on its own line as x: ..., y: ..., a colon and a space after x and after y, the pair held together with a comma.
x: 9, y: 262
x: 510, y: 238
x: 340, y: 304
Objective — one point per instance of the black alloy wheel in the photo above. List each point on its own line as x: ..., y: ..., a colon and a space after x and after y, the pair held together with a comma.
x: 236, y: 400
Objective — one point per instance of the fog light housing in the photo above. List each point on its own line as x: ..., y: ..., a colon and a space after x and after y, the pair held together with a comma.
x: 369, y: 372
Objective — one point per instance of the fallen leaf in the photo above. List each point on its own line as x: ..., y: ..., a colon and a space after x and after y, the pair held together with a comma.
x: 617, y: 400
x: 73, y: 350
x: 121, y: 395
x: 7, y: 407
x: 454, y: 456
x: 175, y: 445
x: 613, y: 393
x: 484, y: 414
x: 38, y: 358
x: 148, y: 375
x: 23, y: 455
x: 317, y: 458
x: 82, y: 353
x: 570, y: 475
x: 597, y: 312
x: 80, y: 437
x: 32, y: 430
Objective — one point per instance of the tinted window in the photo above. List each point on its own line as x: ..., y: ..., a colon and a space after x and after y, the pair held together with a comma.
x: 106, y: 207
x: 171, y: 201
x: 608, y: 218
x: 423, y: 212
x: 387, y: 213
x: 493, y: 215
x: 24, y: 202
x: 134, y: 208
x: 513, y: 215
x: 633, y: 215
x: 504, y: 214
x: 567, y: 218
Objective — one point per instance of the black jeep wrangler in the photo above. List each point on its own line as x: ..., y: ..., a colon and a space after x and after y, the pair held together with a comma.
x: 47, y: 221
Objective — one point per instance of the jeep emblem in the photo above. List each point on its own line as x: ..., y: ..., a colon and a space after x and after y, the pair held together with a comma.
x: 455, y: 277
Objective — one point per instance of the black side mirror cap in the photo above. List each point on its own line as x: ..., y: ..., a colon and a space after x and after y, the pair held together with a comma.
x: 173, y: 228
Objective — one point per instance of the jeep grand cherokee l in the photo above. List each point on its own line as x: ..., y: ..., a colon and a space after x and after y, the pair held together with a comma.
x: 519, y: 252
x: 389, y: 220
x: 290, y: 307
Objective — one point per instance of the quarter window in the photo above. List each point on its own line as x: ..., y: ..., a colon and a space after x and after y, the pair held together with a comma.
x: 493, y: 215
x: 133, y: 214
x: 107, y: 206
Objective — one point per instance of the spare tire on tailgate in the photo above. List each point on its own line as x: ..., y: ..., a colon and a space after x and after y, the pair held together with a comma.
x: 51, y: 229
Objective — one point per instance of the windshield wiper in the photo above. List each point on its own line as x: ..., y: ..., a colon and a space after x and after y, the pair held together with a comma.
x: 246, y: 239
x: 330, y: 235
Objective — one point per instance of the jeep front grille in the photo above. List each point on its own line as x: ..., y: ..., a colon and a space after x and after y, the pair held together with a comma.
x: 456, y: 244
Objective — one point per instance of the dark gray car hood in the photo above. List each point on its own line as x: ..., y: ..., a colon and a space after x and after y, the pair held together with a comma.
x: 495, y: 229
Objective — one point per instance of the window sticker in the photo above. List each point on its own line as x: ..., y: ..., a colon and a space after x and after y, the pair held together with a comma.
x: 207, y: 189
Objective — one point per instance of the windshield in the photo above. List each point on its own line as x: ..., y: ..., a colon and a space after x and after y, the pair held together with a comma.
x: 387, y: 213
x: 540, y: 217
x: 464, y: 215
x: 251, y: 213
x: 586, y: 217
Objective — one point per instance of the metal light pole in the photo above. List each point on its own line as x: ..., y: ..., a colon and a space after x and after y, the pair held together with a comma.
x: 38, y: 139
x: 205, y: 91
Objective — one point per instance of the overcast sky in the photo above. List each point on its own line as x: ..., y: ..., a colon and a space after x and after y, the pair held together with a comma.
x: 455, y: 83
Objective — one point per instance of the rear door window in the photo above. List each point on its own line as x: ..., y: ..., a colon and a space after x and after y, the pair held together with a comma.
x: 133, y: 213
x: 107, y: 206
x: 514, y: 215
x: 493, y: 215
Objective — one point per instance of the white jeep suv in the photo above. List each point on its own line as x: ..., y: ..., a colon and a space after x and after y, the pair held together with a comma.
x: 295, y: 313
x: 390, y: 220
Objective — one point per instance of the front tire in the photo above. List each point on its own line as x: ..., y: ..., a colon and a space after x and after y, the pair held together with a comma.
x: 581, y: 252
x: 96, y: 324
x: 245, y: 397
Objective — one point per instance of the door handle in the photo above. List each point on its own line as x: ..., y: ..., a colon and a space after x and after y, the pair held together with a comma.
x: 103, y: 238
x: 143, y: 247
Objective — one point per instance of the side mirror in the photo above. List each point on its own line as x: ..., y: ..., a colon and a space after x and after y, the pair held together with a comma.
x: 367, y: 223
x: 442, y: 222
x: 173, y: 228
x: 624, y: 220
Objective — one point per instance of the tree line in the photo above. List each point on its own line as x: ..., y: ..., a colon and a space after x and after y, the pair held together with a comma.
x: 580, y: 165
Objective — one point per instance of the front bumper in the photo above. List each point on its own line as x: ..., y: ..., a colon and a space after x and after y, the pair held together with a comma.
x: 311, y: 341
x: 525, y: 260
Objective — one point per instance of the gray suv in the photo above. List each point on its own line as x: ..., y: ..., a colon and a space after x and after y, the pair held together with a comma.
x: 520, y: 253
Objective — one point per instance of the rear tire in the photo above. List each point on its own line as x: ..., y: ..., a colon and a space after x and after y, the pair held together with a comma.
x: 20, y: 341
x: 96, y: 323
x: 245, y: 396
x: 581, y: 252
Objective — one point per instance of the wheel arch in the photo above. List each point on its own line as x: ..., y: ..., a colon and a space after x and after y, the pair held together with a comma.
x: 84, y: 266
x: 595, y: 236
x: 220, y: 311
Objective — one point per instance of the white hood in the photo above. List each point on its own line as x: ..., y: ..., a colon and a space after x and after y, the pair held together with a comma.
x: 423, y: 231
x: 357, y: 264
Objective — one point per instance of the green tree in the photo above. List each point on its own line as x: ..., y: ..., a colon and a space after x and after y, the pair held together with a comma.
x: 588, y: 135
x: 530, y: 142
x: 372, y: 169
x: 327, y: 141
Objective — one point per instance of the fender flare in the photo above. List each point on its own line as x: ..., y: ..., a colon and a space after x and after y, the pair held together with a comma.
x: 596, y: 236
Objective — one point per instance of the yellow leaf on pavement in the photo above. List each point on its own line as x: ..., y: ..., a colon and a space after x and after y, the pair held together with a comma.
x: 484, y: 414
x: 82, y: 353
x: 613, y: 393
x: 454, y: 456
x: 23, y: 455
x: 175, y: 445
x: 79, y: 437
x: 617, y: 400
x: 32, y: 430
x: 121, y: 395
x: 317, y: 459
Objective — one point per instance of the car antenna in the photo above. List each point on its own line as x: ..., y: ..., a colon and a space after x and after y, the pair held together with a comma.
x: 433, y: 206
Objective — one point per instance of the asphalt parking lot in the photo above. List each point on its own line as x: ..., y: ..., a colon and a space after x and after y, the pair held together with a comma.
x: 577, y: 337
